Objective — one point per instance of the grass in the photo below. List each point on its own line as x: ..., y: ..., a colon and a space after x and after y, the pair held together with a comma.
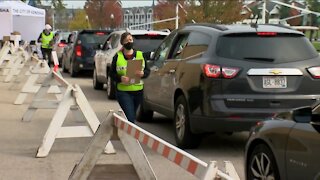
x: 316, y: 45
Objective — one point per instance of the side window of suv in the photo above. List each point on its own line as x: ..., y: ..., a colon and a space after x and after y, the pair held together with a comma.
x: 182, y: 41
x: 107, y: 45
x: 197, y: 43
x: 163, y: 50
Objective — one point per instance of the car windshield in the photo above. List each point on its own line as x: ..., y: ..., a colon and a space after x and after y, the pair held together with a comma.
x: 93, y: 38
x: 147, y: 43
x: 280, y: 48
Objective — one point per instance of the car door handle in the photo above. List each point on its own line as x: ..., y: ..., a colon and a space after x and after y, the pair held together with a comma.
x: 172, y: 71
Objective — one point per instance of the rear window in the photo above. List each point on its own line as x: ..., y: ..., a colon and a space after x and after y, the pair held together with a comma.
x: 147, y: 43
x: 93, y: 37
x: 280, y: 48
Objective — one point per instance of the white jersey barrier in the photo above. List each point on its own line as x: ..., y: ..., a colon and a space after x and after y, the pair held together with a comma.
x: 32, y: 85
x: 73, y: 100
x: 12, y: 64
x: 4, y: 51
x: 189, y: 163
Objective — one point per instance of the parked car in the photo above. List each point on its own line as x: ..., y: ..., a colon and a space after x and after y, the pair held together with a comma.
x: 61, y: 43
x: 285, y: 147
x: 144, y: 40
x: 226, y: 78
x: 79, y: 56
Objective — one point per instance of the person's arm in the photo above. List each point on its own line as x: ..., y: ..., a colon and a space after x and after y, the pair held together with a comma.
x: 39, y: 38
x: 146, y: 70
x: 113, y: 70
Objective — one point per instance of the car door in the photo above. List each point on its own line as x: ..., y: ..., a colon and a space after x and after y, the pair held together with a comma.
x: 152, y: 84
x: 167, y: 73
x: 303, y: 160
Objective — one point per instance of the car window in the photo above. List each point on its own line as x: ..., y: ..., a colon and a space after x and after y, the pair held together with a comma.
x: 190, y: 44
x: 163, y: 50
x: 182, y: 41
x: 93, y: 38
x: 281, y: 48
x: 115, y: 41
x: 147, y: 42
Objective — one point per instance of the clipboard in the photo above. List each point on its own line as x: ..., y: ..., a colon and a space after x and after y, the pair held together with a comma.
x: 132, y: 67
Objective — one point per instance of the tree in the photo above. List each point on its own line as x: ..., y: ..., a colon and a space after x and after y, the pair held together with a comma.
x: 314, y: 5
x: 79, y: 21
x: 214, y: 11
x: 166, y: 9
x: 96, y: 13
x: 113, y: 12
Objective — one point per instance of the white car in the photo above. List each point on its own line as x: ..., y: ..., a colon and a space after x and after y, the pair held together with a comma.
x: 144, y: 40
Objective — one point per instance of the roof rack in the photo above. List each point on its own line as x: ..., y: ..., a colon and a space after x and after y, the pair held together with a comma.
x: 216, y: 26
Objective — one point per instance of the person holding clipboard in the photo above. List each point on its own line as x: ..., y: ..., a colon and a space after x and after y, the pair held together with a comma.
x: 127, y: 69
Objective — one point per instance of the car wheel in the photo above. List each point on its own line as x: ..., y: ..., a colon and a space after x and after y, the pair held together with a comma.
x: 185, y: 139
x: 63, y: 64
x: 111, y: 89
x: 71, y: 70
x: 96, y: 83
x: 143, y: 114
x: 262, y: 164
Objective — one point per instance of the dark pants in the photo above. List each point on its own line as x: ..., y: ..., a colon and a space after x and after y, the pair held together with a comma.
x: 46, y: 53
x: 129, y: 103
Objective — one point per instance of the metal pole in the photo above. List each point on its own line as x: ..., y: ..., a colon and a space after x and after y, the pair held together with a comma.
x: 164, y: 20
x: 264, y: 11
x: 177, y: 16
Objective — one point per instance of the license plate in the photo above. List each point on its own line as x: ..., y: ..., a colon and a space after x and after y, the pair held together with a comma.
x: 274, y: 81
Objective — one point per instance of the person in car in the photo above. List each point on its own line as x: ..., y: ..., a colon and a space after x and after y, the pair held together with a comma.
x: 128, y: 95
x: 46, y: 38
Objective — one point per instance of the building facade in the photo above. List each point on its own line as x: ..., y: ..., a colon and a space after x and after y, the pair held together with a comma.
x: 133, y: 17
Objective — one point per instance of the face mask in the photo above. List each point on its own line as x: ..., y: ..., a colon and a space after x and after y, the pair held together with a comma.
x: 128, y: 45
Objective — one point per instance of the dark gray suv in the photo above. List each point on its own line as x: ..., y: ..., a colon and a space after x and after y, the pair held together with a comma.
x: 225, y: 78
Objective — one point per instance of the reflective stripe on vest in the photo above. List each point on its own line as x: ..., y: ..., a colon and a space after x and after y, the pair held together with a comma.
x: 122, y: 71
x: 45, y: 40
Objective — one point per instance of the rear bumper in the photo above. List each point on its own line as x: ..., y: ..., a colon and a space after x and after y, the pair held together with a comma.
x: 202, y: 124
x: 83, y: 64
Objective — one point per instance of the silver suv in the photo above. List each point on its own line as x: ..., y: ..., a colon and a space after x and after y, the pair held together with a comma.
x: 144, y: 40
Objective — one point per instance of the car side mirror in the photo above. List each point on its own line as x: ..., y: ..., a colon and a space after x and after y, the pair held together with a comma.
x: 100, y: 46
x: 302, y: 115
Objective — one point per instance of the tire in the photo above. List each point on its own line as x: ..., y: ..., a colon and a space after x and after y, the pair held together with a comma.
x: 71, y: 70
x: 63, y: 65
x: 185, y: 139
x: 263, y: 156
x: 143, y: 114
x: 111, y: 88
x: 96, y: 84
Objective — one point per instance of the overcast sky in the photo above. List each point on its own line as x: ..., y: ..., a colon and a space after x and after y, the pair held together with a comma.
x: 127, y: 3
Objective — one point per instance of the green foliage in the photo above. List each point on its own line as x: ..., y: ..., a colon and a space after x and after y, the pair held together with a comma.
x: 284, y: 10
x: 79, y: 22
x: 316, y: 45
x: 314, y: 5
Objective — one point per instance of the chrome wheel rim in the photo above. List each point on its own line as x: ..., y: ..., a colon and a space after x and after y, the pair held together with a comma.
x: 261, y: 167
x: 180, y: 121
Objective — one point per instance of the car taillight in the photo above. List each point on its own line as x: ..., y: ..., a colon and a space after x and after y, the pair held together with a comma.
x: 315, y: 72
x: 212, y: 71
x: 229, y: 72
x: 100, y: 33
x: 61, y: 45
x: 152, y: 34
x: 266, y: 33
x: 215, y: 71
x: 78, y: 50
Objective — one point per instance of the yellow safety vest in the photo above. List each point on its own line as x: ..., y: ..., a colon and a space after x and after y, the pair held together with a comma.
x: 122, y: 71
x: 45, y: 40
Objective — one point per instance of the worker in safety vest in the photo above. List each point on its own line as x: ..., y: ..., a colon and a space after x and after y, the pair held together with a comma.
x: 129, y: 94
x: 46, y: 39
